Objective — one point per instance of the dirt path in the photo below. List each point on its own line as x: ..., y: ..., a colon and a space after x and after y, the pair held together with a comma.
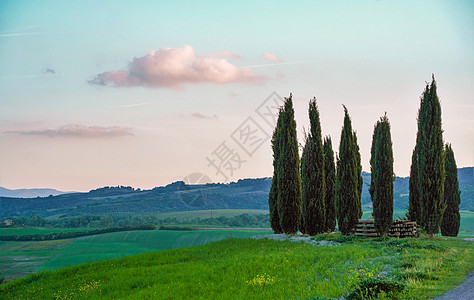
x: 464, y: 291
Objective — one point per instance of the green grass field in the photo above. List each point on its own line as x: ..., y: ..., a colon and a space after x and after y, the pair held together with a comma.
x: 259, y: 269
x: 18, y: 259
x: 27, y: 231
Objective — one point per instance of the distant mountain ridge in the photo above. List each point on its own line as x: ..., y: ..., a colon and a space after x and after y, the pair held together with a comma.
x: 29, y: 193
x: 178, y: 196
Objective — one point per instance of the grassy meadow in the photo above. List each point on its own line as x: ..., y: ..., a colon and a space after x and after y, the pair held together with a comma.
x: 18, y: 259
x: 44, y: 230
x: 260, y: 269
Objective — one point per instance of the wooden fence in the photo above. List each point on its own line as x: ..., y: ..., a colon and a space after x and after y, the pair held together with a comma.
x: 399, y: 229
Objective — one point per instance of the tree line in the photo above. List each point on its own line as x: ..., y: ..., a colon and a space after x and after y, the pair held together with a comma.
x: 126, y: 221
x: 310, y: 194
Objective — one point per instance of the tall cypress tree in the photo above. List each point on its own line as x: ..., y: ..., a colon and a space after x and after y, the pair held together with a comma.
x: 273, y: 195
x: 312, y: 176
x: 360, y: 181
x: 452, y: 196
x: 347, y: 179
x: 330, y: 195
x: 289, y: 176
x: 414, y: 206
x: 431, y: 172
x: 381, y: 167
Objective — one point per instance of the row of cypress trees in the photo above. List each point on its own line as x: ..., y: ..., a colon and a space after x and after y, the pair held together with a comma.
x: 311, y: 195
x: 434, y: 188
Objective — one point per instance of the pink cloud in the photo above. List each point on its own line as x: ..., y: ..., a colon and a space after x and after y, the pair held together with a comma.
x: 225, y: 54
x: 271, y: 57
x: 81, y: 131
x: 172, y: 67
x: 201, y: 116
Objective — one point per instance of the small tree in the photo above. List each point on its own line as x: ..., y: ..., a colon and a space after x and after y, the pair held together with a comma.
x: 381, y: 167
x: 348, y: 186
x: 273, y: 195
x: 289, y: 176
x: 330, y: 194
x: 312, y: 176
x: 452, y: 195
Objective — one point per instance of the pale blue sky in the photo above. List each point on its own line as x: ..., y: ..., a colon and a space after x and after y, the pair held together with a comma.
x: 373, y: 56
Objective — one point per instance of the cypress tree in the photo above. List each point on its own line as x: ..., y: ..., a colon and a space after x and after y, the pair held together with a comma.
x: 452, y: 196
x: 347, y: 179
x: 313, y: 177
x: 289, y: 176
x: 360, y: 181
x: 414, y: 206
x: 330, y: 195
x: 381, y: 167
x: 414, y: 201
x: 273, y: 195
x: 431, y: 173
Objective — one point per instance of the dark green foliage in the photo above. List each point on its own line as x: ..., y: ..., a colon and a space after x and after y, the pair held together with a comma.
x: 313, y: 177
x: 451, y: 218
x: 360, y: 180
x: 381, y: 167
x: 371, y: 287
x: 128, y: 221
x: 348, y: 179
x: 273, y: 194
x: 289, y: 176
x: 330, y: 194
x: 431, y: 173
x: 414, y: 206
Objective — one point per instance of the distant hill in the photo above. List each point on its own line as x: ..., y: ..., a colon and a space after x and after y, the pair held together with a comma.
x: 29, y: 193
x: 178, y: 196
x: 246, y: 193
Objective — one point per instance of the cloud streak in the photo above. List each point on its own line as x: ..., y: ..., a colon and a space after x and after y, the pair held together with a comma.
x: 78, y: 131
x: 271, y: 57
x: 130, y: 105
x: 173, y: 67
x: 14, y: 32
x: 201, y: 116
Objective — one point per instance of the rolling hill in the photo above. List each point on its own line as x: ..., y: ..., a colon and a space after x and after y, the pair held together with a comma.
x: 29, y: 193
x: 178, y: 196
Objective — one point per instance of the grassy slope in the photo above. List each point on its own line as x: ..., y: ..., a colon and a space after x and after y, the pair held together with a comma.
x: 251, y: 269
x: 20, y: 258
x: 26, y: 231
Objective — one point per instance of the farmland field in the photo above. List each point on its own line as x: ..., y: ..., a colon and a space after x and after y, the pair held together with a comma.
x: 20, y: 258
x: 262, y: 269
x: 27, y: 231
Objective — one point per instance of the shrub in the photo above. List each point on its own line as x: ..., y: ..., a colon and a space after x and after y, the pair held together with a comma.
x: 371, y: 287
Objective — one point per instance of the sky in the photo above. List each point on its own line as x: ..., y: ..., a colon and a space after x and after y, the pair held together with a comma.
x: 142, y: 94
